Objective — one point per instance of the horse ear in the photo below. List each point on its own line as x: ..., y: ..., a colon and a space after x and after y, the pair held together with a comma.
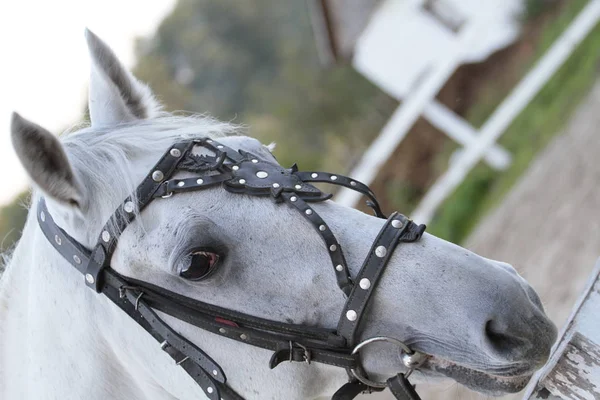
x: 45, y: 160
x: 116, y: 96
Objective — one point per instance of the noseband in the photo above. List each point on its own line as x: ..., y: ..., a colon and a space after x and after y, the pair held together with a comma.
x: 245, y: 173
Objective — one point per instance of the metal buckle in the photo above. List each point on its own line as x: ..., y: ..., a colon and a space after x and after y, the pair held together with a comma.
x: 137, y: 300
x: 182, y: 360
x: 166, y: 344
x: 407, y: 350
x: 307, y: 355
x: 123, y: 290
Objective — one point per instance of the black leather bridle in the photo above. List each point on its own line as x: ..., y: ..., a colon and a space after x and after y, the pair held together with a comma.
x: 245, y: 173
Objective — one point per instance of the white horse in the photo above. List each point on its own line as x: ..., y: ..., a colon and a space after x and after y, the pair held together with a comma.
x: 477, y: 320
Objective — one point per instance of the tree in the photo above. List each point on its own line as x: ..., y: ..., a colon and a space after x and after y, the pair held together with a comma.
x: 255, y: 62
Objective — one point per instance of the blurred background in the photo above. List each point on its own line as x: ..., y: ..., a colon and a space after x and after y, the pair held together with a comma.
x: 477, y: 117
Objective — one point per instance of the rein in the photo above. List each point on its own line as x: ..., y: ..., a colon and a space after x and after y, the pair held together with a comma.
x: 244, y: 173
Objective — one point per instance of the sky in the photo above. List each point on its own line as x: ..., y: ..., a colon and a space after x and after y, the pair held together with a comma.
x: 44, y: 68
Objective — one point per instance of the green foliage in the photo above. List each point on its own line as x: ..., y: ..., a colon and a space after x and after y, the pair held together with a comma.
x: 255, y: 63
x: 534, y: 8
x: 529, y: 133
x: 12, y: 220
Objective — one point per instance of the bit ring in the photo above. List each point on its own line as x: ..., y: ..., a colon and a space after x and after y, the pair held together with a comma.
x: 359, y: 375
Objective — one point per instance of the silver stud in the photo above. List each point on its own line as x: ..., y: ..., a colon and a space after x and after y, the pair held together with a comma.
x: 333, y: 177
x: 352, y: 183
x: 181, y: 184
x: 106, y: 236
x: 322, y: 228
x: 255, y: 161
x: 175, y: 152
x: 276, y: 185
x: 333, y: 247
x: 351, y: 315
x: 235, y: 167
x: 209, y: 141
x: 339, y: 267
x: 215, y: 372
x: 128, y: 207
x: 89, y: 278
x: 57, y: 240
x: 209, y: 389
x: 314, y: 175
x: 219, y: 146
x: 298, y: 187
x: 293, y: 198
x: 158, y: 176
x: 397, y: 223
x: 222, y: 330
x: 262, y: 174
x: 380, y: 251
x: 242, y: 181
x: 43, y: 216
x: 308, y: 212
x: 364, y: 283
x: 200, y: 181
x: 77, y: 259
x: 243, y: 336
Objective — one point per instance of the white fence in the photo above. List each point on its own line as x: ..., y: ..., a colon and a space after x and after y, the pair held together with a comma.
x: 573, y: 372
x: 477, y: 144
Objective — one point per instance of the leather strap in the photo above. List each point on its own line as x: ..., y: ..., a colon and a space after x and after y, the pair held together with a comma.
x: 341, y: 180
x: 401, y: 388
x: 168, y: 188
x: 181, y: 307
x: 77, y: 255
x: 290, y: 343
x: 340, y: 267
x: 185, y: 357
x: 369, y: 275
x: 126, y: 212
x: 350, y: 390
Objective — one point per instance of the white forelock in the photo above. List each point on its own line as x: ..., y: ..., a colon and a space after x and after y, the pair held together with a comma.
x: 103, y: 157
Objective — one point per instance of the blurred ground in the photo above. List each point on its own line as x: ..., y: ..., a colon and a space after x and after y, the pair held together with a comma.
x: 548, y: 226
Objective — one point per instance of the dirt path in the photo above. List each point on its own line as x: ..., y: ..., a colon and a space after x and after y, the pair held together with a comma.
x: 548, y: 227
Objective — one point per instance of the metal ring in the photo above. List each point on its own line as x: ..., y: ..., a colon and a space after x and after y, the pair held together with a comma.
x: 364, y: 343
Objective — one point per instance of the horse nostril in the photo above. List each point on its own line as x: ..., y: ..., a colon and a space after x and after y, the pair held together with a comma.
x: 500, y: 339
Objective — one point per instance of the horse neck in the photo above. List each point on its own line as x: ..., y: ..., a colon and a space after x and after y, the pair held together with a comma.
x: 53, y: 341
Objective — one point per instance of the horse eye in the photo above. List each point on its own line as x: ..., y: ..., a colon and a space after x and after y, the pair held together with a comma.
x: 200, y: 265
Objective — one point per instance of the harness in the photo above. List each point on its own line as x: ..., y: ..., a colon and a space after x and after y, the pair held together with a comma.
x: 244, y: 173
